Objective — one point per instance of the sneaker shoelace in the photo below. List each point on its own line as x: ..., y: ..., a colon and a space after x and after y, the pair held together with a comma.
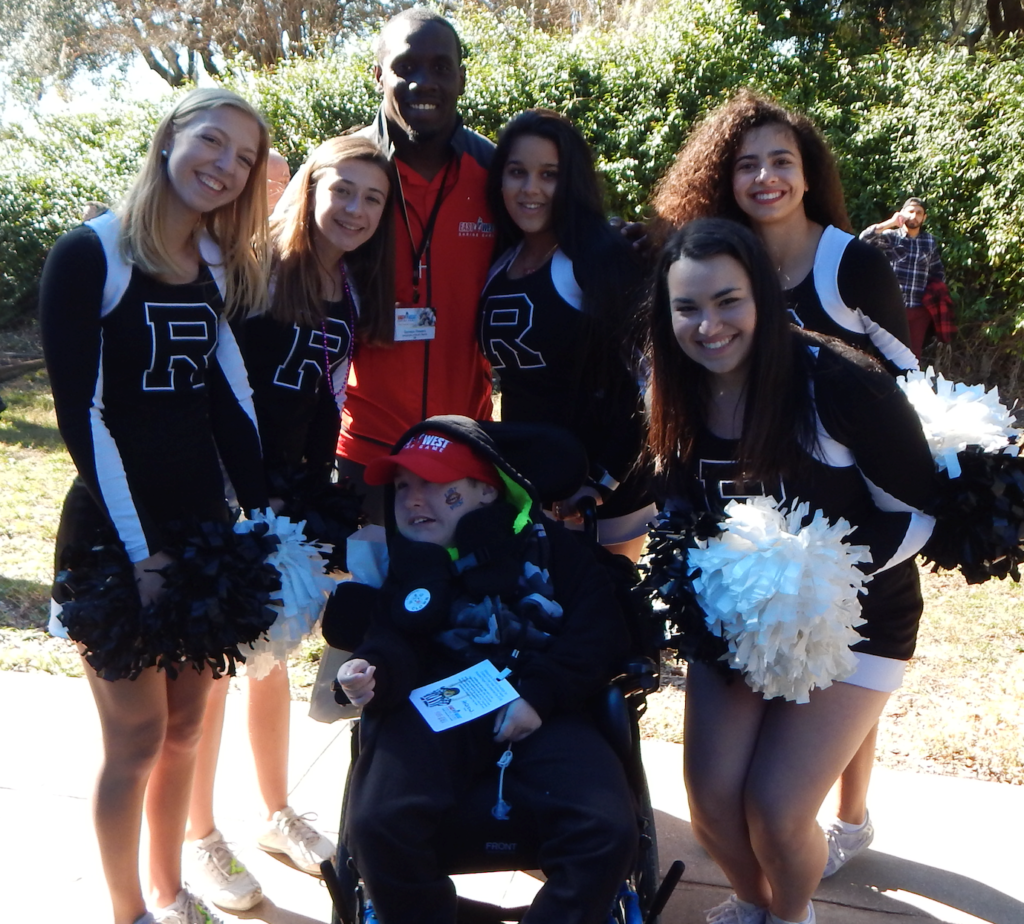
x: 298, y: 827
x: 221, y: 855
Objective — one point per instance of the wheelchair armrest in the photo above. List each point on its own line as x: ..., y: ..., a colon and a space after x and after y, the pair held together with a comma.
x: 639, y: 675
x: 615, y: 719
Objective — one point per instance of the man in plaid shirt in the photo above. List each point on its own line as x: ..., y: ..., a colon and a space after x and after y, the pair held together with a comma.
x: 914, y: 256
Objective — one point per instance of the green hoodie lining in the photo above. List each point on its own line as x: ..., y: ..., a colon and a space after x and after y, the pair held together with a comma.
x: 519, y: 498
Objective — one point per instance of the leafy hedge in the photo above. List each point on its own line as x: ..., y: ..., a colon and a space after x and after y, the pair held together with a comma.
x: 937, y: 124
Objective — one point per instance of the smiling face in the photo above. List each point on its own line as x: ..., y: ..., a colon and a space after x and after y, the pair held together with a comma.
x: 528, y: 184
x: 210, y: 157
x: 348, y: 202
x: 713, y: 314
x: 768, y: 175
x: 426, y: 511
x: 421, y: 77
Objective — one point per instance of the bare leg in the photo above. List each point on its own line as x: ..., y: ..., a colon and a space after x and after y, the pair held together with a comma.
x: 170, y: 785
x: 723, y: 723
x: 133, y: 717
x: 269, y: 712
x: 800, y: 752
x: 631, y: 548
x: 200, y: 810
x: 853, y: 784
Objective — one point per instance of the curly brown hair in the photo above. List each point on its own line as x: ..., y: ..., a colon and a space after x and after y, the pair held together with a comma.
x: 699, y: 182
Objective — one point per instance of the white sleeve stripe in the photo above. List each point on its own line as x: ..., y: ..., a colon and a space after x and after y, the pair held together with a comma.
x: 564, y: 280
x: 888, y: 344
x: 111, y: 477
x: 233, y: 367
x: 883, y: 500
x: 339, y: 377
x: 918, y: 530
x: 917, y: 534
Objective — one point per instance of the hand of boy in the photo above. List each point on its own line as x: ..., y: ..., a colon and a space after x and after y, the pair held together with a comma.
x: 515, y: 721
x: 356, y: 679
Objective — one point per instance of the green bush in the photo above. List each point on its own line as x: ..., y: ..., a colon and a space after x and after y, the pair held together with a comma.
x: 46, y: 179
x: 935, y: 123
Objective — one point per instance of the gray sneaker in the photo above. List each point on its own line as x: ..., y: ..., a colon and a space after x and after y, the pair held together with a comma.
x: 187, y: 909
x: 844, y: 845
x: 293, y: 835
x: 732, y: 911
x: 220, y: 877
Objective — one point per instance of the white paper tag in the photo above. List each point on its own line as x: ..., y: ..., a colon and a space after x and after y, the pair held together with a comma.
x: 463, y: 697
x: 414, y: 324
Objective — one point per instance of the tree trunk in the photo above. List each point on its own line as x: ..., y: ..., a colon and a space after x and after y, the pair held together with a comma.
x: 1005, y: 17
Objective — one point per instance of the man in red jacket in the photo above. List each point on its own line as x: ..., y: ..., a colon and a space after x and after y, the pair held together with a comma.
x: 432, y: 363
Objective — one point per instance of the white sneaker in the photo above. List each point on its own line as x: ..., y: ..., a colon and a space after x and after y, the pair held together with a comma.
x: 844, y: 845
x: 187, y: 909
x: 293, y: 835
x: 733, y: 911
x: 220, y: 877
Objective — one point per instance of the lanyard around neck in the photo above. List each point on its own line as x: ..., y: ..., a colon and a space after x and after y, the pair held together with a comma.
x: 350, y: 302
x: 428, y: 230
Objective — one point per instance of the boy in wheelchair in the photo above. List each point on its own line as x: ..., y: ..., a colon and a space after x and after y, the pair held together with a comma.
x: 476, y: 572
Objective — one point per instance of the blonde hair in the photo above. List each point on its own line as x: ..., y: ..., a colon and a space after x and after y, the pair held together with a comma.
x: 238, y: 228
x: 296, y: 298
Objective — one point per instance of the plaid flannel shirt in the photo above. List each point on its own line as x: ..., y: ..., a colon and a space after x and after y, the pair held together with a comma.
x: 915, y: 260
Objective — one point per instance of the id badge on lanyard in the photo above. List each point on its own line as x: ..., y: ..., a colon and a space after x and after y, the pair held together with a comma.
x: 414, y: 322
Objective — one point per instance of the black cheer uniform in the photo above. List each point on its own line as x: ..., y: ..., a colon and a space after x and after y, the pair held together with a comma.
x: 534, y: 332
x: 150, y: 393
x: 872, y: 467
x: 852, y: 294
x: 298, y: 407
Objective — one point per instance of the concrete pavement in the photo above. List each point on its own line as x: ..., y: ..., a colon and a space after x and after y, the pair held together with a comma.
x: 946, y: 849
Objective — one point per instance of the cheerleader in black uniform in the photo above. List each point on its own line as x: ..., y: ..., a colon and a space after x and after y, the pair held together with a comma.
x: 742, y: 404
x: 554, y: 315
x: 331, y: 283
x: 769, y: 168
x: 149, y: 390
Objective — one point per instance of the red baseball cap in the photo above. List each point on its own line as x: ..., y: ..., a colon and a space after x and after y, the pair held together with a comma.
x: 434, y: 457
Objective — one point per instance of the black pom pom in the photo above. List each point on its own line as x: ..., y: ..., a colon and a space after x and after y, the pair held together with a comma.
x: 332, y: 511
x: 667, y: 580
x: 215, y: 597
x: 979, y: 517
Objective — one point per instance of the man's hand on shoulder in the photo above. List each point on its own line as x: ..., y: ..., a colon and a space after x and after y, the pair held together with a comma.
x: 516, y: 721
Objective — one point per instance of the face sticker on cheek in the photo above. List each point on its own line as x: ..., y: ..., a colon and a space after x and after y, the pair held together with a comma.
x: 452, y: 498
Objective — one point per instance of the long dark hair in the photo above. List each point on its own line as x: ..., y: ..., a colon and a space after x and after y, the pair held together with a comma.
x: 699, y: 182
x: 296, y: 297
x: 603, y: 263
x: 778, y: 418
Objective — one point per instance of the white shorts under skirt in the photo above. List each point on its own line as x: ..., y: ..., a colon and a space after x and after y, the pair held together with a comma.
x: 875, y: 673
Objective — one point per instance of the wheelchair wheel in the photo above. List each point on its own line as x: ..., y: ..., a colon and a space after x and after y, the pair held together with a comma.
x: 346, y: 890
x: 646, y: 874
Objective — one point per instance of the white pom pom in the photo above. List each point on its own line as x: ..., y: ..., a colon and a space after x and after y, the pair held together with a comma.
x: 783, y: 596
x: 955, y: 416
x: 304, y: 586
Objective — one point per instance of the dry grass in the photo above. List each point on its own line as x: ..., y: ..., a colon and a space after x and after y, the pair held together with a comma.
x: 960, y: 712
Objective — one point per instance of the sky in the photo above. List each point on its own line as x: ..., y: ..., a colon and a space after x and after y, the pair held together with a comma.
x: 89, y: 93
